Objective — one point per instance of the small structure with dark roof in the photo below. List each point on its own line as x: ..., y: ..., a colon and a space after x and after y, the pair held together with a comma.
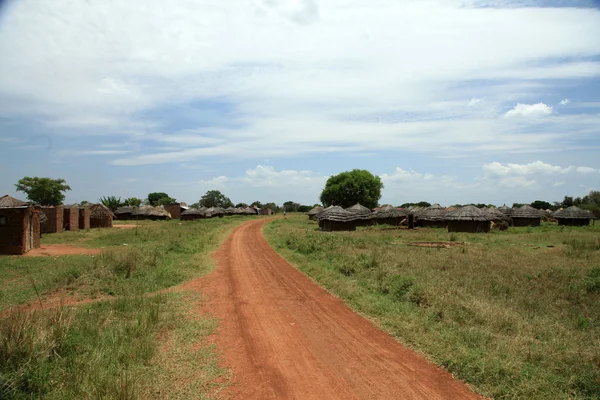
x: 7, y: 201
x: 573, y: 216
x: 71, y: 218
x: 364, y: 216
x: 335, y: 218
x: 432, y: 217
x: 125, y: 213
x: 19, y: 229
x: 193, y: 213
x: 101, y: 216
x: 152, y: 213
x: 526, y: 216
x: 389, y: 215
x: 468, y: 219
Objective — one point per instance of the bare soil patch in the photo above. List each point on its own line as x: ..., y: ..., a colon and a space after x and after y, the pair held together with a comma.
x: 438, y: 245
x: 51, y: 250
x: 125, y: 226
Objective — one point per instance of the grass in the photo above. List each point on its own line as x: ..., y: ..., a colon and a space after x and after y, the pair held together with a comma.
x: 133, y: 344
x: 516, y: 314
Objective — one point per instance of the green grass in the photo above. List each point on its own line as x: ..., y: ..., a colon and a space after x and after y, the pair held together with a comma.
x: 516, y: 314
x: 131, y: 345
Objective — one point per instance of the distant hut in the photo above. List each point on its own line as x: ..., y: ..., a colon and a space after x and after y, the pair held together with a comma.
x: 314, y: 211
x: 10, y: 202
x: 84, y: 216
x: 497, y: 215
x: 215, y: 212
x: 364, y: 216
x: 230, y: 211
x: 19, y: 229
x: 55, y: 217
x: 125, y: 213
x: 468, y: 219
x: 573, y: 216
x: 71, y: 218
x: 526, y: 216
x: 193, y: 213
x: 101, y: 216
x: 266, y: 211
x: 389, y: 215
x: 504, y: 209
x: 175, y: 209
x: 432, y: 217
x: 152, y: 213
x: 335, y: 218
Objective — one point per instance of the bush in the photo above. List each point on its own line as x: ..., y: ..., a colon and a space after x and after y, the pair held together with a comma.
x: 592, y: 283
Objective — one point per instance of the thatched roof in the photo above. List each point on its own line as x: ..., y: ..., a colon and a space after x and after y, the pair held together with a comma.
x: 317, y: 215
x: 414, y: 210
x: 336, y: 213
x: 100, y: 211
x: 388, y: 211
x: 467, y: 213
x: 526, y: 212
x: 361, y: 211
x: 195, y: 211
x: 8, y: 201
x: 230, y: 211
x: 504, y: 209
x: 150, y: 211
x: 125, y: 210
x: 315, y: 210
x: 495, y: 213
x: 573, y: 212
x: 432, y: 213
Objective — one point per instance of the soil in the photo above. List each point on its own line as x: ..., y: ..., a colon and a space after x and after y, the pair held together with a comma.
x: 125, y: 226
x: 437, y: 244
x: 51, y: 250
x: 284, y: 337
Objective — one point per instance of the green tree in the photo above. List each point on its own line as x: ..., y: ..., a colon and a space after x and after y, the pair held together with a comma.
x: 257, y: 204
x: 214, y: 198
x: 290, y: 206
x: 517, y: 205
x: 241, y: 205
x: 567, y: 202
x: 111, y: 202
x: 159, y: 198
x: 351, y: 187
x: 272, y: 206
x: 132, y: 202
x: 44, y: 191
x: 541, y: 205
x: 304, y: 208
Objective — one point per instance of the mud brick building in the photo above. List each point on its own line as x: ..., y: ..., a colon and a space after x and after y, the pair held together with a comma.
x: 19, y: 229
x: 84, y: 217
x: 55, y: 217
x: 71, y: 218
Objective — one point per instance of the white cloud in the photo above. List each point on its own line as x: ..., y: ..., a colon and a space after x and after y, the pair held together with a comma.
x: 496, y: 169
x: 529, y: 110
x: 586, y: 170
x: 474, y: 101
x: 565, y: 102
x: 557, y: 184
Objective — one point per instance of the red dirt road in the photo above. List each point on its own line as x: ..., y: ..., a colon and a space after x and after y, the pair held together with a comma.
x: 286, y: 338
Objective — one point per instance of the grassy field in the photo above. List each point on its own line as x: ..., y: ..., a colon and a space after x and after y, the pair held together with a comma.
x: 131, y: 343
x: 515, y: 314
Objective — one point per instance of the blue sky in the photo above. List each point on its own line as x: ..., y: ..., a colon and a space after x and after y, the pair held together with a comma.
x: 448, y: 101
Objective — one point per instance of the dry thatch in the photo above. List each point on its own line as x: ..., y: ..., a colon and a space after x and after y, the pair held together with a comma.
x: 318, y: 215
x: 314, y: 211
x: 336, y: 213
x: 100, y: 211
x: 526, y: 212
x: 467, y: 213
x: 361, y: 212
x: 150, y: 212
x: 573, y: 212
x: 124, y: 210
x: 496, y: 214
x: 387, y: 211
x: 9, y: 202
x: 432, y: 213
x: 504, y: 209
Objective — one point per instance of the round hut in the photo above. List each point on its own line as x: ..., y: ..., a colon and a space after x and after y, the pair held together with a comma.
x: 152, y: 213
x: 573, y: 216
x: 526, y: 216
x: 504, y: 209
x: 125, y: 213
x: 314, y: 211
x: 215, y: 212
x: 432, y: 217
x: 364, y: 216
x: 335, y: 218
x: 468, y: 219
x: 101, y: 216
x: 193, y: 213
x: 389, y: 215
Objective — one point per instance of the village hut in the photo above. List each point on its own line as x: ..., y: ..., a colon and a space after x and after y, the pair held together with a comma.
x: 468, y: 219
x: 152, y: 213
x: 71, y: 218
x: 335, y: 218
x: 526, y: 216
x: 84, y: 216
x: 314, y: 211
x: 193, y: 213
x: 19, y: 229
x: 389, y: 215
x: 230, y: 211
x: 54, y: 219
x: 504, y: 209
x: 432, y: 217
x: 125, y: 213
x: 266, y: 211
x: 215, y: 212
x: 364, y: 216
x: 573, y: 216
x: 101, y: 216
x: 497, y: 215
x: 10, y: 202
x: 175, y: 209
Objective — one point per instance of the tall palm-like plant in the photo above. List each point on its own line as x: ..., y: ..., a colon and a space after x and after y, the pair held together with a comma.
x: 111, y: 202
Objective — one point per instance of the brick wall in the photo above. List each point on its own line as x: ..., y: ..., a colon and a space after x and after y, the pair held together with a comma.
x: 174, y: 210
x: 13, y: 229
x: 55, y: 219
x: 71, y: 219
x: 36, y: 228
x: 84, y: 217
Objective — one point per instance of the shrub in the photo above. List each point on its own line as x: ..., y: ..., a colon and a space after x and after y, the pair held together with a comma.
x: 592, y: 283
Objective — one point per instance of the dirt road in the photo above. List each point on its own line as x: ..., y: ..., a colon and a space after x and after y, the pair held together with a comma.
x: 286, y: 338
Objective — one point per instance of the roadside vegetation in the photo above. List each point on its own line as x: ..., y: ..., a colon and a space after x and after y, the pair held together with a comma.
x: 130, y: 341
x: 516, y: 314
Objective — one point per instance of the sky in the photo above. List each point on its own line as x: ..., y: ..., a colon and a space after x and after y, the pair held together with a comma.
x: 448, y: 101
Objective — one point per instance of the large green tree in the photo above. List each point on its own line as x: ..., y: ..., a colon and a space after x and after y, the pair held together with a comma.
x: 214, y: 198
x: 351, y: 187
x: 291, y: 206
x: 160, y: 198
x: 111, y: 202
x: 541, y: 205
x: 44, y: 191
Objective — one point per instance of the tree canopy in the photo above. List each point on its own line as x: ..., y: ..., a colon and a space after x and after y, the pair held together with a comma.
x: 160, y: 198
x: 44, y: 191
x: 351, y: 187
x: 214, y: 198
x: 111, y: 202
x: 541, y: 205
x: 291, y: 206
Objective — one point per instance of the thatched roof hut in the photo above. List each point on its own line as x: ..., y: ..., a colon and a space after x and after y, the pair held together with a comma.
x: 214, y: 212
x: 468, y: 219
x: 149, y: 212
x: 504, y: 209
x: 335, y: 218
x: 389, y: 215
x: 125, y: 213
x: 101, y: 216
x: 314, y: 211
x: 573, y: 216
x: 526, y: 216
x: 10, y: 202
x: 364, y: 216
x: 497, y: 215
x: 193, y: 213
x: 432, y: 216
